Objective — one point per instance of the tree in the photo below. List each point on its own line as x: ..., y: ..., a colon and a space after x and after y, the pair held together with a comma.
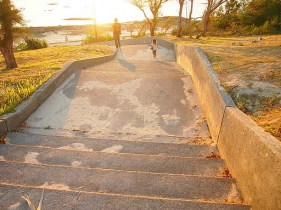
x: 131, y: 27
x: 190, y: 18
x: 212, y: 5
x: 228, y: 16
x: 9, y: 18
x: 154, y: 7
x: 258, y: 12
x: 179, y: 31
x: 166, y: 24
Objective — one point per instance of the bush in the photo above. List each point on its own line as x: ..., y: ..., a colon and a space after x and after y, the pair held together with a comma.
x: 31, y: 43
x: 91, y: 38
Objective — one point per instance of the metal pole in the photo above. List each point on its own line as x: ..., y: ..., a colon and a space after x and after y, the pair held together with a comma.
x: 95, y: 24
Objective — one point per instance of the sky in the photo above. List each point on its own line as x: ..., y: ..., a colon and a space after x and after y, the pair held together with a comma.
x: 54, y: 12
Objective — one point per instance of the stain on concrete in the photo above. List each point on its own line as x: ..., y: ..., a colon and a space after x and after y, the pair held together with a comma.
x: 234, y: 196
x: 55, y: 186
x: 113, y: 149
x: 15, y: 206
x: 76, y: 163
x: 31, y: 157
x: 171, y: 119
x: 76, y: 146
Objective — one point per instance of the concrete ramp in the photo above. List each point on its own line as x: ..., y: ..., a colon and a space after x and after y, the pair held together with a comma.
x: 133, y: 97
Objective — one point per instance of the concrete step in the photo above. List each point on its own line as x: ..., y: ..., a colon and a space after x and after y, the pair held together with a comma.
x: 121, y: 146
x: 117, y: 161
x: 120, y: 182
x: 101, y: 201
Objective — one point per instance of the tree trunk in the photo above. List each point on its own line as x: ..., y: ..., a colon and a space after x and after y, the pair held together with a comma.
x: 205, y: 23
x: 8, y: 53
x: 179, y: 31
x: 190, y: 19
x: 152, y: 26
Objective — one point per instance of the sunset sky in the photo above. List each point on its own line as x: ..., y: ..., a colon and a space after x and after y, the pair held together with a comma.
x: 54, y: 12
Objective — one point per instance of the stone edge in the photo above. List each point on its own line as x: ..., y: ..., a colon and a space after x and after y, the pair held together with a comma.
x: 12, y: 121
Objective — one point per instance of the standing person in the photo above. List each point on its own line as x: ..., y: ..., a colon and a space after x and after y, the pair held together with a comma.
x: 116, y: 32
x: 154, y: 47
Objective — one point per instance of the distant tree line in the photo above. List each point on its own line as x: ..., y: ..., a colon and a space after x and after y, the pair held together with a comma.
x: 246, y: 17
x: 220, y: 17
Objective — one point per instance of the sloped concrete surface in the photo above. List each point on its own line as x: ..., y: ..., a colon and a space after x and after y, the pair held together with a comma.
x: 134, y: 97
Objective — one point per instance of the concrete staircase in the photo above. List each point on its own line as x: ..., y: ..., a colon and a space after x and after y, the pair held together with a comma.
x: 86, y: 173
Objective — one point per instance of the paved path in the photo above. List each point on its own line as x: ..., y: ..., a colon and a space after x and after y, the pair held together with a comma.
x: 132, y: 97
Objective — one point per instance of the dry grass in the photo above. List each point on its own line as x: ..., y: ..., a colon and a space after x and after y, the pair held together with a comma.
x: 35, y: 68
x: 249, y: 68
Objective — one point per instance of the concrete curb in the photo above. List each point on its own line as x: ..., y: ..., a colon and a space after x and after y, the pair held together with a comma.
x: 12, y: 121
x: 252, y: 155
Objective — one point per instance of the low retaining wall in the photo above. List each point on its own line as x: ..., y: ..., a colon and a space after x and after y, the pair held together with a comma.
x: 144, y: 40
x: 252, y: 155
x: 12, y: 121
x: 212, y: 97
x: 254, y: 159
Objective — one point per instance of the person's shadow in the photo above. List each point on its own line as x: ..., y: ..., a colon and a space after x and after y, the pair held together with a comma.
x: 124, y: 63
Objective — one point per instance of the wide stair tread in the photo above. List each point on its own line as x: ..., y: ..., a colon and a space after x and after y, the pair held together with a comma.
x: 117, y: 161
x: 113, y: 174
x: 101, y: 201
x: 123, y: 146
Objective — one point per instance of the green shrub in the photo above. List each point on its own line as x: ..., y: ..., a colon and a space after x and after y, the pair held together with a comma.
x: 31, y: 43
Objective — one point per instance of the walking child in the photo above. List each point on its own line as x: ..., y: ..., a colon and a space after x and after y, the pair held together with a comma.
x: 154, y: 47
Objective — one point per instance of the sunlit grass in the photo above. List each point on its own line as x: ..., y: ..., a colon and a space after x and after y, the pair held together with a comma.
x: 247, y: 60
x: 35, y: 68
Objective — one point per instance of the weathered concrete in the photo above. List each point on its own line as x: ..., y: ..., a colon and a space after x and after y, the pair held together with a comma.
x: 113, y: 158
x: 149, y: 100
x: 212, y: 97
x: 121, y: 146
x: 3, y: 128
x: 126, y: 96
x: 24, y: 110
x: 253, y: 157
x: 103, y: 201
x: 117, y: 181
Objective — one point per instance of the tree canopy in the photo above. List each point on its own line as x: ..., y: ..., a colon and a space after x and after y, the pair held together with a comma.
x: 252, y: 16
x: 150, y: 10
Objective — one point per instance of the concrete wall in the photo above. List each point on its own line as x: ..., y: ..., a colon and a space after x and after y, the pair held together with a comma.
x: 213, y: 98
x: 253, y: 158
x: 252, y: 155
x: 144, y: 40
x: 12, y: 121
